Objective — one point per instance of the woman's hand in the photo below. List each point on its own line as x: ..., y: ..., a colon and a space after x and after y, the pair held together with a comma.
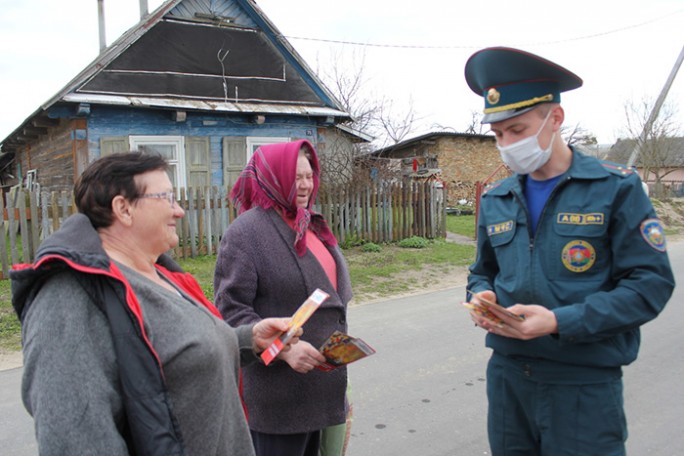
x: 268, y: 330
x: 303, y: 357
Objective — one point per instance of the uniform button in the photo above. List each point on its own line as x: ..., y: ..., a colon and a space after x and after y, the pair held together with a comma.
x: 527, y: 370
x: 343, y: 321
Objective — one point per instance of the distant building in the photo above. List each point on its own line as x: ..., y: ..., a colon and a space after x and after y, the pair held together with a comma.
x: 458, y: 160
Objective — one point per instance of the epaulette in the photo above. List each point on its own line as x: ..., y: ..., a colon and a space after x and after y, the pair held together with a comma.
x: 620, y: 170
x: 491, y: 186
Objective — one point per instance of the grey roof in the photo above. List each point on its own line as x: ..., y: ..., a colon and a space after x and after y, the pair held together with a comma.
x: 671, y: 151
x: 426, y: 137
x: 209, y: 55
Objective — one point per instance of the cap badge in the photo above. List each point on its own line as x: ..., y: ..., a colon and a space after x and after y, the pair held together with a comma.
x: 493, y: 96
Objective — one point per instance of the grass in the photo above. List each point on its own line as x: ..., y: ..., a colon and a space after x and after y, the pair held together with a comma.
x: 395, y: 270
x: 10, y: 331
x: 461, y: 224
x: 381, y: 272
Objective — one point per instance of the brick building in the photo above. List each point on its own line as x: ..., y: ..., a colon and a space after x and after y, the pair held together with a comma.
x: 459, y: 160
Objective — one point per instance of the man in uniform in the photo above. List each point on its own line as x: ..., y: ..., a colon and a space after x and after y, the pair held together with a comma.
x: 573, y: 246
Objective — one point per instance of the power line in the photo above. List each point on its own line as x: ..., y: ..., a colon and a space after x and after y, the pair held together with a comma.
x: 412, y: 46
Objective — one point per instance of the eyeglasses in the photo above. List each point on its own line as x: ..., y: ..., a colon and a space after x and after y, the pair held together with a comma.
x: 168, y: 196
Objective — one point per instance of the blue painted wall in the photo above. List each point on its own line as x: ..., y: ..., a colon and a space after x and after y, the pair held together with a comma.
x: 125, y: 121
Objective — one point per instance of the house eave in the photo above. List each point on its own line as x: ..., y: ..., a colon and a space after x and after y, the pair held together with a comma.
x: 204, y: 105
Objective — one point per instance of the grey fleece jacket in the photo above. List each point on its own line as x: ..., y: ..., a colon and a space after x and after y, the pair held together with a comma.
x: 258, y: 275
x: 72, y: 379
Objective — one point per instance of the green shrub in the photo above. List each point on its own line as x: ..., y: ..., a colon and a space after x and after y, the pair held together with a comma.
x: 351, y: 241
x: 414, y: 242
x: 371, y: 247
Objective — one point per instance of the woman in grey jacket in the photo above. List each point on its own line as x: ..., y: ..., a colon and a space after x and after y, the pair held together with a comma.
x: 120, y: 345
x: 272, y: 257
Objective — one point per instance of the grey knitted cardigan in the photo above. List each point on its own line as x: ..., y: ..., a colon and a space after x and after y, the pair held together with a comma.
x: 259, y: 275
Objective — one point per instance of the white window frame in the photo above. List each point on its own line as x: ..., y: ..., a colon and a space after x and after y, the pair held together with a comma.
x: 177, y: 164
x: 253, y: 142
x: 31, y: 179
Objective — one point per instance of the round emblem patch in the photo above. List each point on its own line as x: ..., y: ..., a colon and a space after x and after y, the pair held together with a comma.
x: 578, y: 256
x: 653, y: 233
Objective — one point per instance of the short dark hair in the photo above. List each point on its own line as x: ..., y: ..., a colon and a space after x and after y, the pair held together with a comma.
x: 108, y: 177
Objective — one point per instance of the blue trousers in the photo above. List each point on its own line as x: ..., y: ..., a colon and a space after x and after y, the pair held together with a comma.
x: 537, y: 409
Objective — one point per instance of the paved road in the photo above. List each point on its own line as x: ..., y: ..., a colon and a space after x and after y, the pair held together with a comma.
x: 423, y: 392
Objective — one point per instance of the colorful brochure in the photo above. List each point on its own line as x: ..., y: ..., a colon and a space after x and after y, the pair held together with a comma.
x: 341, y: 349
x: 298, y: 319
x: 482, y: 309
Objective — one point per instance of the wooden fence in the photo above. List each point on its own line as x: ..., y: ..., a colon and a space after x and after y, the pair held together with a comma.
x: 382, y: 212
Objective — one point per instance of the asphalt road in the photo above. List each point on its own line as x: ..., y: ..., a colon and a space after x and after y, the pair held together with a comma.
x: 423, y: 392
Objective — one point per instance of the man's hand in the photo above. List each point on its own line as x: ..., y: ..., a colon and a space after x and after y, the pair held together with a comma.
x: 268, y: 330
x: 538, y: 320
x: 303, y: 357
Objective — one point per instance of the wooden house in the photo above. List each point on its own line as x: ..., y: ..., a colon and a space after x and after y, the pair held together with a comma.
x: 457, y: 160
x: 660, y: 163
x: 203, y: 82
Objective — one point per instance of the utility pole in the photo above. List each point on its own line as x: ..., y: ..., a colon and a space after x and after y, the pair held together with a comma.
x: 656, y: 109
x: 101, y: 22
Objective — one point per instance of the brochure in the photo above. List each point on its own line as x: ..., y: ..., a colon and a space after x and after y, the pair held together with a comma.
x: 482, y: 309
x: 298, y: 319
x: 341, y: 349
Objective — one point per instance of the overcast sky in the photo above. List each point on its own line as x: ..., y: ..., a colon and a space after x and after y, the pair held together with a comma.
x: 412, y: 51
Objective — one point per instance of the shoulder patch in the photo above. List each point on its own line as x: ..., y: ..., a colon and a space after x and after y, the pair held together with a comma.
x: 619, y: 170
x: 492, y: 186
x: 653, y: 233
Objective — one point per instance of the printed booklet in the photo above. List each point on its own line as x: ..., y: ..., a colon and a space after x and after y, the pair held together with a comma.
x: 482, y: 309
x: 298, y: 319
x: 341, y: 349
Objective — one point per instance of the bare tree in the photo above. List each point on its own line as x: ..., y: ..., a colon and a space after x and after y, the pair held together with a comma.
x: 375, y: 116
x: 348, y: 86
x: 392, y: 126
x: 658, y: 152
x: 475, y: 127
x: 578, y: 136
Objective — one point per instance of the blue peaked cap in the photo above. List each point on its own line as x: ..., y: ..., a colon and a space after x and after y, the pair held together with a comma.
x: 513, y: 82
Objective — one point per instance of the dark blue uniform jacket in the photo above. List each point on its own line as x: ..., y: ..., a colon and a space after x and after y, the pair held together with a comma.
x: 598, y: 260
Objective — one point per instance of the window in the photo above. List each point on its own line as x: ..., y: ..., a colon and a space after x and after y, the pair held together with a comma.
x: 253, y: 143
x: 171, y: 148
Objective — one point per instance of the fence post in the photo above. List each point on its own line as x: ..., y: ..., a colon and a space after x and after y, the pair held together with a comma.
x: 34, y: 199
x: 3, y: 243
x: 23, y: 228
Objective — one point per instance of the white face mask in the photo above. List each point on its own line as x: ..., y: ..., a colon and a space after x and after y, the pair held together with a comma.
x: 526, y: 156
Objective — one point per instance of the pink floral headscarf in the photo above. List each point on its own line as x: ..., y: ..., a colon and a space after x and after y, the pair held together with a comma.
x: 269, y: 181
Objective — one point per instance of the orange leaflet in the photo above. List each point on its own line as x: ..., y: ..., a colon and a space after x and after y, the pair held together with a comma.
x: 482, y: 309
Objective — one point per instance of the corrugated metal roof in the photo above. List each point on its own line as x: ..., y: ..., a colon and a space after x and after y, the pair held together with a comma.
x: 264, y: 73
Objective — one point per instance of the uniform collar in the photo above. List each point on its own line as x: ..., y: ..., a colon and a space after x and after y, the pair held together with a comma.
x: 582, y: 167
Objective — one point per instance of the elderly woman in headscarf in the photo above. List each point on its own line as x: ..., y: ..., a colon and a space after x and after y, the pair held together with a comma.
x: 272, y: 257
x: 123, y: 353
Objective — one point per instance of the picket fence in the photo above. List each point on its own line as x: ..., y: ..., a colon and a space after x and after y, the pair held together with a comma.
x: 380, y: 212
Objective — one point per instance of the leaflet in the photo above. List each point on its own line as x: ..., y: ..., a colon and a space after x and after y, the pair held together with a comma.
x: 341, y: 349
x: 300, y: 317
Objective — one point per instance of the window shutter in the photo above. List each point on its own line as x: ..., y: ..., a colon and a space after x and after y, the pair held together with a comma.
x: 234, y: 159
x: 113, y: 145
x: 197, y: 161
